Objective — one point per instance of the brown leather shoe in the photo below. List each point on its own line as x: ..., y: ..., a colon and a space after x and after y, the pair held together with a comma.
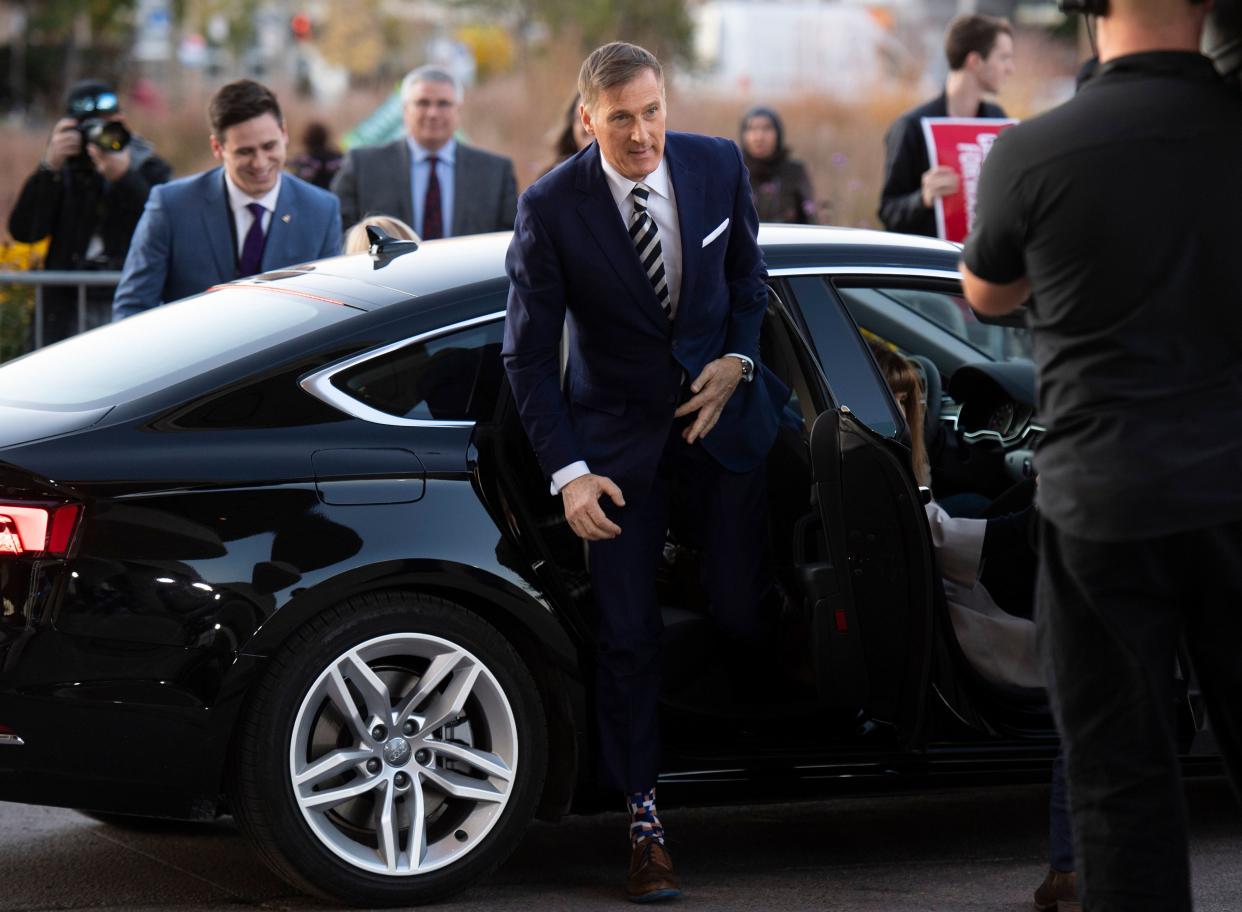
x: 651, y: 874
x: 1058, y: 893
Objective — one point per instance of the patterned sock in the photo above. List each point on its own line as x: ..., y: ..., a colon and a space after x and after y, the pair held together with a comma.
x: 644, y: 822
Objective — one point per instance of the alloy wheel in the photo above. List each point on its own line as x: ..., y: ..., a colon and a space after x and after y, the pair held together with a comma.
x: 403, y: 754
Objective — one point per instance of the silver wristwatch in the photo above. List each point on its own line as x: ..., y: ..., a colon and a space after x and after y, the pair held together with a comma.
x: 748, y: 369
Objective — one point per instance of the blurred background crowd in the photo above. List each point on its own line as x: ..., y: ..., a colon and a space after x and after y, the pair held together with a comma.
x: 837, y: 71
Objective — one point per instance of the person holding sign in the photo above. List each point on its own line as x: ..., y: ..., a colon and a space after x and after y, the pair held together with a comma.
x: 980, y: 55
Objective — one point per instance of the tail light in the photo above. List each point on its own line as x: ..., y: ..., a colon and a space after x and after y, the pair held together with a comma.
x: 37, y: 530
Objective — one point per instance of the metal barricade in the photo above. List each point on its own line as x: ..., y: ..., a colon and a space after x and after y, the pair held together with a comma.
x: 40, y: 280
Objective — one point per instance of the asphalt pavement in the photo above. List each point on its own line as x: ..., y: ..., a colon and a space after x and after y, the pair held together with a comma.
x: 978, y: 849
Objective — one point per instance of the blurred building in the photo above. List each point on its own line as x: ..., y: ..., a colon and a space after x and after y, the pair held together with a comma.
x: 844, y: 48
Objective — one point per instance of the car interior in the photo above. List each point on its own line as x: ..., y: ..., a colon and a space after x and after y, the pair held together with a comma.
x: 980, y: 435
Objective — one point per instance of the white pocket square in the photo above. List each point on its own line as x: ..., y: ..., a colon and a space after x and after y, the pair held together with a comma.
x: 715, y: 234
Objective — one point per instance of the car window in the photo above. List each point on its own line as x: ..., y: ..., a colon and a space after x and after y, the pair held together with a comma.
x: 947, y: 310
x: 160, y: 347
x: 452, y: 377
x: 844, y: 357
x: 274, y: 400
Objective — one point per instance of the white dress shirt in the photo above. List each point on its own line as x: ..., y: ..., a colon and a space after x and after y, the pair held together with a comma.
x: 420, y: 176
x: 240, y: 199
x: 662, y: 207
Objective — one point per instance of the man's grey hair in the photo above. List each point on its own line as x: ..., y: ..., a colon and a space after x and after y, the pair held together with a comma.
x: 613, y: 65
x: 429, y: 73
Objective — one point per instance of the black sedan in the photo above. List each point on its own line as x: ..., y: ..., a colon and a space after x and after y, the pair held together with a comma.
x: 282, y: 550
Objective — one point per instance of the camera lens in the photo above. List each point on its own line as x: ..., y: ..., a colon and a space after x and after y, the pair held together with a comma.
x: 107, y: 135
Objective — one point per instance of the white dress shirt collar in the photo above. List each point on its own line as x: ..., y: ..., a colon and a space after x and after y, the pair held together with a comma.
x: 240, y: 199
x: 446, y: 154
x: 657, y: 182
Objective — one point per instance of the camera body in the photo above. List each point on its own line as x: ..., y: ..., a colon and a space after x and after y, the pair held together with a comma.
x: 106, y: 135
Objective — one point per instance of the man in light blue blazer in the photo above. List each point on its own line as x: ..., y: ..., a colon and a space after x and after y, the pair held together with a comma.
x: 242, y: 218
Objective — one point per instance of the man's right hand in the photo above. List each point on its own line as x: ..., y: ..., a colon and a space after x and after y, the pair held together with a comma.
x: 938, y: 182
x: 582, y: 510
x: 65, y: 143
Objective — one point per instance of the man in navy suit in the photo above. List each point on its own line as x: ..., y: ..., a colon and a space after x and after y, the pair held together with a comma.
x: 643, y: 246
x: 240, y: 219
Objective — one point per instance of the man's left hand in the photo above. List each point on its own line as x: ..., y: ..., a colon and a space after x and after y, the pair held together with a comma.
x: 112, y: 165
x: 712, y: 389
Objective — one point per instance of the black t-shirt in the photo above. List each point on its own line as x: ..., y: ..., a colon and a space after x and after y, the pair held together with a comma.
x: 1124, y: 207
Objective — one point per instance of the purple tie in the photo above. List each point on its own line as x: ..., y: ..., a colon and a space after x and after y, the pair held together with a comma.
x: 252, y: 250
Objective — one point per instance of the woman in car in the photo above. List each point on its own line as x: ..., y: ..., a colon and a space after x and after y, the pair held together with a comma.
x: 1000, y: 646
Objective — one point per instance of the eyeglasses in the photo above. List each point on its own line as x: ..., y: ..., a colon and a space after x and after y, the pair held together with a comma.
x: 103, y: 103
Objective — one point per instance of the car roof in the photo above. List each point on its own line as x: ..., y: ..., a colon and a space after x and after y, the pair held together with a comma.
x: 439, y: 265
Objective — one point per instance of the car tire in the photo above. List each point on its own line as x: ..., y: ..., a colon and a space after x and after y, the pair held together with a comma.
x: 330, y: 801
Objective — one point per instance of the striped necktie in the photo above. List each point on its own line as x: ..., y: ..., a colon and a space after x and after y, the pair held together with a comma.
x: 646, y: 240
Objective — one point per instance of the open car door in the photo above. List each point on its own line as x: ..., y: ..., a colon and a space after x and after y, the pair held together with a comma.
x: 871, y: 597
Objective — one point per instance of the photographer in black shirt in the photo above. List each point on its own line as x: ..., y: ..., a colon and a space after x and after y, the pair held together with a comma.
x: 1121, y: 211
x: 88, y: 193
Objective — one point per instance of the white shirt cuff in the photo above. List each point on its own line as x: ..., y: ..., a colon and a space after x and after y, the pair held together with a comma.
x: 747, y: 360
x: 562, y: 477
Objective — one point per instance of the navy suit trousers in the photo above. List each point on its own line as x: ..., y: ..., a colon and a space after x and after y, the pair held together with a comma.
x: 729, y: 519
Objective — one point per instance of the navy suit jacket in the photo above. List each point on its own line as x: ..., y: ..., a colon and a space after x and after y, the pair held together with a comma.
x: 572, y: 262
x: 184, y: 243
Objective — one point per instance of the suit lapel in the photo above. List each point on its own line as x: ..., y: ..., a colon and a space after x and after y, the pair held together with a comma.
x: 280, y: 231
x: 216, y: 216
x: 690, y: 190
x: 461, y: 178
x: 599, y: 213
x: 405, y: 192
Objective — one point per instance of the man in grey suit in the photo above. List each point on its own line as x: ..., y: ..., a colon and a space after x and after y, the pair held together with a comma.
x: 439, y: 186
x: 240, y: 219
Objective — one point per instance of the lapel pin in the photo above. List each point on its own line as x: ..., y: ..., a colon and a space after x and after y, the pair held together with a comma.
x: 286, y: 219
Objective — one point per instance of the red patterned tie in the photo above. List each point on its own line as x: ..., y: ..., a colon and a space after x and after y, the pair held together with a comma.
x: 433, y: 222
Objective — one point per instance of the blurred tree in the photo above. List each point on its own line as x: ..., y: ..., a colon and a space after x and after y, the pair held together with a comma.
x: 227, y: 23
x: 661, y: 26
x: 492, y: 48
x: 86, y: 18
x: 351, y: 35
x: 78, y: 26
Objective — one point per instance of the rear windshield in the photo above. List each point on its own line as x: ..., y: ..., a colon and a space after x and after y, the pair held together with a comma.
x: 155, y: 349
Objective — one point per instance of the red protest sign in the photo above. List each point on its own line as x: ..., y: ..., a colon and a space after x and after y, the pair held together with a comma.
x: 960, y: 143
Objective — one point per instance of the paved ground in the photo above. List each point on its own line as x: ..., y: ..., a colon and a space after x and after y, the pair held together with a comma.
x: 960, y: 850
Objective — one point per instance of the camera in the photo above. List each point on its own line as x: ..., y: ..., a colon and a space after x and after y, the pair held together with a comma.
x: 106, y: 135
x: 93, y: 104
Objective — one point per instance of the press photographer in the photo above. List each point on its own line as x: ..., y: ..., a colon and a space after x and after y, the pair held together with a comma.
x: 87, y: 193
